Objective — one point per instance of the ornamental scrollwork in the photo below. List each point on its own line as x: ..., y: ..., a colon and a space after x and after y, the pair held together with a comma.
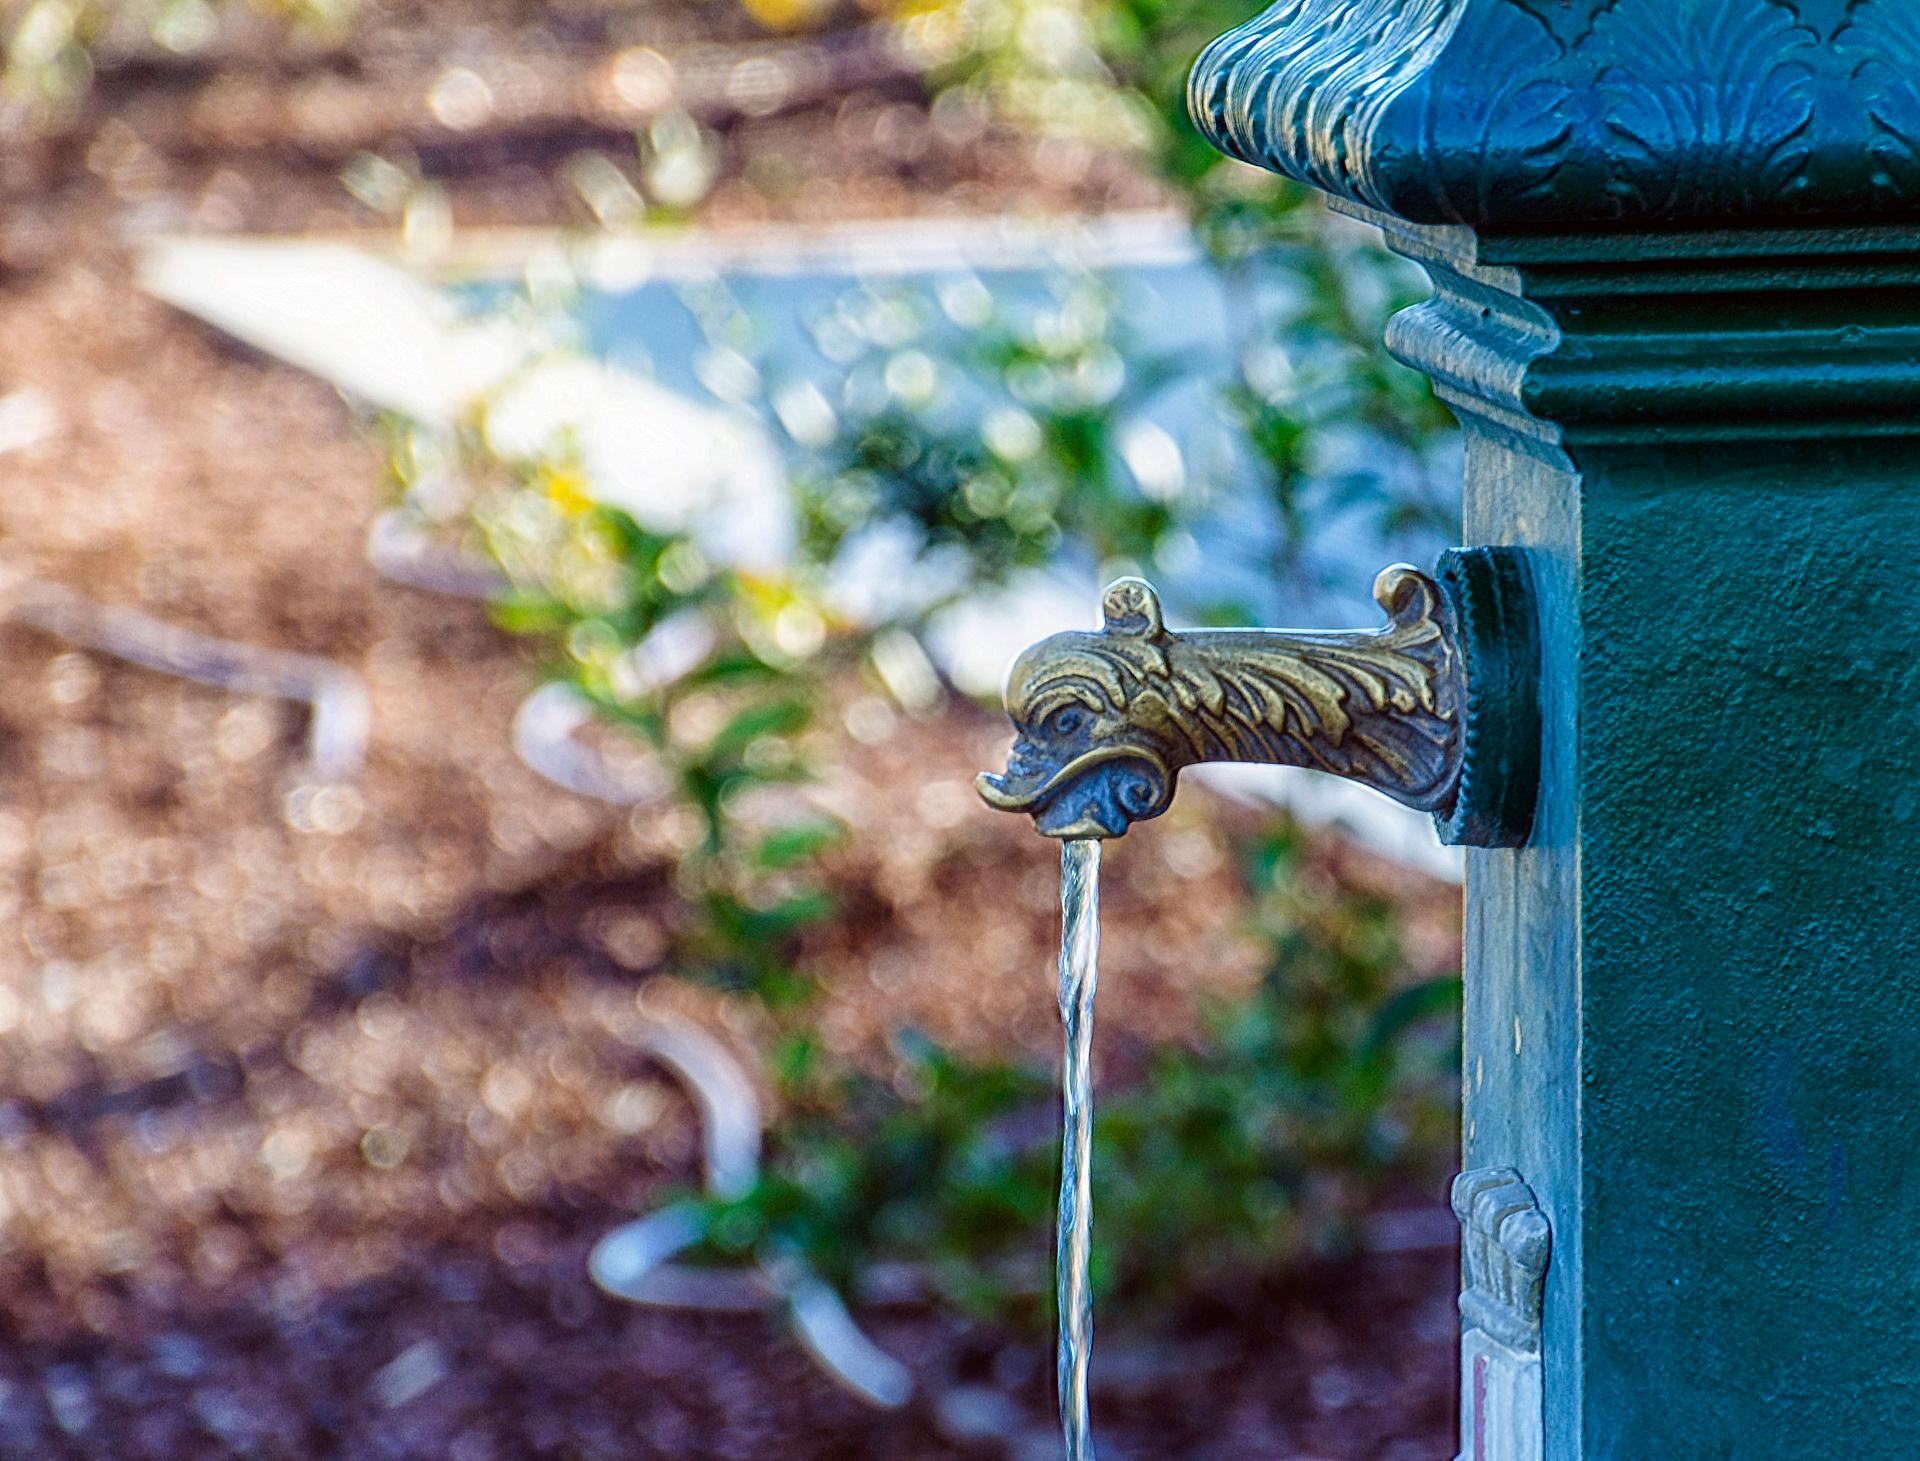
x: 1544, y: 113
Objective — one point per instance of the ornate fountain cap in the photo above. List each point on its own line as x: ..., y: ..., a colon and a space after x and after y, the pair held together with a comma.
x: 1556, y: 115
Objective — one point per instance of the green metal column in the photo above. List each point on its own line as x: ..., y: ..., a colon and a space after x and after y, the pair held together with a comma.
x: 1675, y: 247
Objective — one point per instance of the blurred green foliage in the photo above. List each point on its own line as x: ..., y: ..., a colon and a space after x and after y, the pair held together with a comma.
x: 996, y: 432
x: 1299, y: 1109
x: 999, y: 436
x: 1266, y: 1139
x: 1015, y: 438
x: 599, y: 591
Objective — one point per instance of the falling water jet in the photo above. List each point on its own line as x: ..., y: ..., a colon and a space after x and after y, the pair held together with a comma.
x: 1079, y: 976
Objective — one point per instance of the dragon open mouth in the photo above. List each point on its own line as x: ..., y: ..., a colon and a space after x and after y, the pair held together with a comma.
x: 1099, y: 793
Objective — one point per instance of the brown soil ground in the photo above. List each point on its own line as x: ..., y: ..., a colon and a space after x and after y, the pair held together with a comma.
x: 305, y: 1128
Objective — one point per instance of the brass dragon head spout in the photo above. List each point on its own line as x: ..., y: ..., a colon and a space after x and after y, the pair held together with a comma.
x: 1090, y: 751
x: 1105, y: 721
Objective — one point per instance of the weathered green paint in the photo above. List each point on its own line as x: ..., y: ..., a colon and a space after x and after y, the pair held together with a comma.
x: 1689, y: 1022
x: 1750, y: 898
x: 1685, y: 343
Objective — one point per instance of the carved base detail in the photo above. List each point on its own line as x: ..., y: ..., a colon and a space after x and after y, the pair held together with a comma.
x: 1504, y: 1244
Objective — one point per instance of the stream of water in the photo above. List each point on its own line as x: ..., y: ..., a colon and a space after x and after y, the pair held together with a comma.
x: 1079, y: 974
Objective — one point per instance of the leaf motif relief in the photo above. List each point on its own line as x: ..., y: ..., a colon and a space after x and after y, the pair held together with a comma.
x: 1881, y: 42
x: 1711, y: 105
x: 1516, y: 125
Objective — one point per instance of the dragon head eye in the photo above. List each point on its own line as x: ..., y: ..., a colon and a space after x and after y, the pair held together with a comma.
x: 1069, y: 720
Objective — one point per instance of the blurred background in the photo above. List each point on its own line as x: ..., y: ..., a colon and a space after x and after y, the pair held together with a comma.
x: 514, y: 516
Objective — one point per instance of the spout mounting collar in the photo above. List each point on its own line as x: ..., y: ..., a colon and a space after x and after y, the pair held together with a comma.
x: 1490, y: 594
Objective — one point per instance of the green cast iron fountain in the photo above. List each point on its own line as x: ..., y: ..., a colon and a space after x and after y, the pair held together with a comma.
x: 1675, y: 251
